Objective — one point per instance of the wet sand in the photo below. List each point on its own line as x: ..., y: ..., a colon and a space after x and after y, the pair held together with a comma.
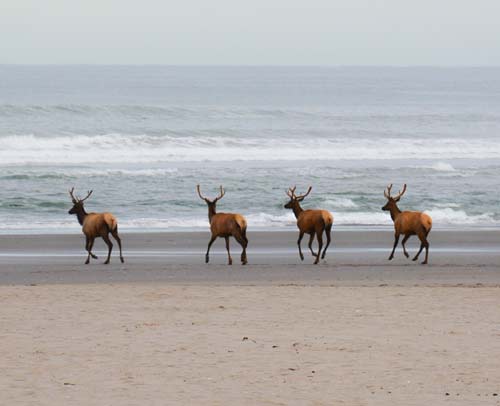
x: 166, y: 329
x: 355, y: 258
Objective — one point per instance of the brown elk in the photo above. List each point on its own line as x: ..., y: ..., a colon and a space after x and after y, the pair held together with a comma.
x: 225, y: 225
x: 407, y: 223
x: 95, y: 225
x: 312, y: 222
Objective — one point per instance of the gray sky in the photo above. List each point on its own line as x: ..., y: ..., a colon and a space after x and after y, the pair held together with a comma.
x: 251, y: 32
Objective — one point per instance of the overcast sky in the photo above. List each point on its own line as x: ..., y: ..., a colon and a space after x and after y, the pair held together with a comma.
x: 251, y: 32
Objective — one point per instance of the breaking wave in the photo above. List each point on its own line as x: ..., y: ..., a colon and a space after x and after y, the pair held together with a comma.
x: 121, y: 148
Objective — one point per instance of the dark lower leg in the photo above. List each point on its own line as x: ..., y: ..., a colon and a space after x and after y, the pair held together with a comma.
x: 319, y: 236
x: 242, y: 241
x: 110, y: 247
x: 298, y: 243
x: 212, y: 239
x: 328, y: 239
x: 311, y: 239
x: 87, y: 249
x: 91, y: 245
x: 396, y: 240
x: 404, y: 247
x: 119, y: 241
x: 230, y: 260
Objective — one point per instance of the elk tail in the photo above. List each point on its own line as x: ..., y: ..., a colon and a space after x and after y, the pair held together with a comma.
x: 112, y: 224
x: 427, y: 224
x: 242, y: 224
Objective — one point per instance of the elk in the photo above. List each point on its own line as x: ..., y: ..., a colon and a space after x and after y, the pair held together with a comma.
x: 312, y: 222
x: 95, y: 225
x: 407, y: 223
x: 225, y: 225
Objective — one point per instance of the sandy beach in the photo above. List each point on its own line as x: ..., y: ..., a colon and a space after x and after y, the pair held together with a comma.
x: 164, y: 328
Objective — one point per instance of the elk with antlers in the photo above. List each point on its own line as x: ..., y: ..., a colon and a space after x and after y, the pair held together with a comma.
x: 312, y: 222
x: 225, y: 225
x: 95, y: 225
x: 408, y: 223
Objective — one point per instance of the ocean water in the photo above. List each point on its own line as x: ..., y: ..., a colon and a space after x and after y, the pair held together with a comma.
x: 142, y: 137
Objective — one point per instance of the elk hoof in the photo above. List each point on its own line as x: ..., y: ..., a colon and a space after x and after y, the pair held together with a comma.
x: 414, y: 259
x: 230, y: 263
x: 407, y: 255
x: 87, y: 262
x: 390, y: 258
x: 106, y: 263
x: 94, y: 256
x: 244, y: 262
x: 424, y: 263
x: 301, y: 257
x: 121, y: 259
x: 206, y: 259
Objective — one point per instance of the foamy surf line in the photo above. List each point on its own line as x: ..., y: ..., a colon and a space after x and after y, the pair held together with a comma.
x: 442, y: 217
x: 120, y: 148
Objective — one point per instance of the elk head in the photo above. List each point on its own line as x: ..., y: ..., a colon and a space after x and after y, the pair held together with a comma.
x: 77, y: 202
x: 211, y: 203
x: 294, y: 199
x: 392, y: 200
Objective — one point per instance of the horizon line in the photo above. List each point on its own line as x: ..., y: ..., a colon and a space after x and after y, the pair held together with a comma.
x: 328, y: 66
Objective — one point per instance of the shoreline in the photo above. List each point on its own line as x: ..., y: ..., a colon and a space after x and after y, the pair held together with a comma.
x: 336, y: 228
x: 355, y: 258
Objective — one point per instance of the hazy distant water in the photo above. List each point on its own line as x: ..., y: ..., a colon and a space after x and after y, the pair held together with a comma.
x: 143, y: 137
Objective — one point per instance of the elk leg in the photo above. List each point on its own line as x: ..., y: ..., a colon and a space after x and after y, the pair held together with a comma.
x: 423, y: 243
x: 301, y: 234
x: 91, y: 245
x: 115, y: 235
x: 108, y: 242
x: 230, y: 260
x: 403, y: 243
x: 419, y: 251
x: 311, y: 239
x: 396, y: 240
x: 319, y: 236
x: 87, y: 249
x: 212, y: 239
x: 243, y: 242
x: 426, y: 252
x: 328, y: 232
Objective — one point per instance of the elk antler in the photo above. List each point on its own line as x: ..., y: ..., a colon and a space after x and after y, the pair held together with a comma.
x: 76, y: 199
x: 301, y: 197
x: 86, y: 197
x: 291, y: 192
x: 387, y: 191
x: 222, y: 193
x: 199, y: 194
x: 400, y: 193
x: 73, y: 198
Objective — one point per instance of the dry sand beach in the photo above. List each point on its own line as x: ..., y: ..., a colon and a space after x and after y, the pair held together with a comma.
x: 164, y: 328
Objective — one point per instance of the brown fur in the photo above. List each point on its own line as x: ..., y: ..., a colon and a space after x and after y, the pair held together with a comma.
x: 408, y: 223
x: 312, y: 222
x: 225, y: 225
x: 95, y: 225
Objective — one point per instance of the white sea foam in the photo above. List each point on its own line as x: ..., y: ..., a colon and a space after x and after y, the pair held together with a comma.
x: 440, y: 216
x: 340, y: 203
x: 443, y: 167
x: 120, y: 148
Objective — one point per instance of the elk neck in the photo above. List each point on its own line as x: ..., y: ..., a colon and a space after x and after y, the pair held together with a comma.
x: 297, y: 209
x: 395, y: 212
x: 81, y: 214
x: 211, y: 212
